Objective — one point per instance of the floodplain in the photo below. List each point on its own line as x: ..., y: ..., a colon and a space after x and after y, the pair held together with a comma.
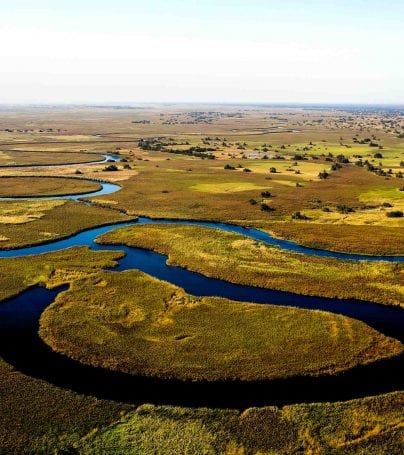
x: 329, y: 178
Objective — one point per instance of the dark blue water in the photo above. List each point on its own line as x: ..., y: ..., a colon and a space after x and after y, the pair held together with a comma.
x: 50, y: 165
x: 22, y: 348
x: 87, y: 238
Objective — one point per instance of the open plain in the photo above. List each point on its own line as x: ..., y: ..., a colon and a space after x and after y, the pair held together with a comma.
x: 203, y: 190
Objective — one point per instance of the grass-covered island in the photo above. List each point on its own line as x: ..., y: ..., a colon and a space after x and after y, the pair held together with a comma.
x: 131, y: 322
x: 45, y: 186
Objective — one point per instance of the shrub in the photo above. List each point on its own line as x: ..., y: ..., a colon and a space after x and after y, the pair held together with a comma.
x: 395, y: 214
x: 342, y: 159
x: 342, y: 208
x: 299, y: 216
x: 111, y: 167
x: 266, y: 207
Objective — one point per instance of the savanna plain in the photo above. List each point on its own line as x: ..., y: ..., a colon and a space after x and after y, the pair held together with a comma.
x: 192, y: 185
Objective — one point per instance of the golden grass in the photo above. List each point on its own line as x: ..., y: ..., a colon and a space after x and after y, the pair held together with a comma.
x: 40, y: 157
x: 238, y: 259
x: 227, y: 187
x: 44, y: 186
x: 42, y: 221
x: 132, y: 322
x: 51, y: 269
x: 17, y: 212
x: 359, y: 427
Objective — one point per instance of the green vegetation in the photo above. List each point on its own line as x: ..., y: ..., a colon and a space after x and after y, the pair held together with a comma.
x: 195, y: 189
x: 358, y: 427
x: 51, y: 269
x: 44, y: 186
x: 25, y: 223
x: 134, y: 323
x: 190, y: 165
x: 364, y: 239
x: 238, y: 259
x: 37, y: 417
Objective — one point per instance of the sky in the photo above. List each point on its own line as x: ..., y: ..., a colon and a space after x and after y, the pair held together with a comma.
x: 247, y: 51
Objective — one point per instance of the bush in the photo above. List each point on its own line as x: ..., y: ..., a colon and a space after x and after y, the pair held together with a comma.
x: 395, y: 214
x: 342, y: 208
x: 229, y: 167
x: 342, y: 159
x: 111, y: 167
x: 299, y: 216
x: 266, y: 207
x: 266, y: 194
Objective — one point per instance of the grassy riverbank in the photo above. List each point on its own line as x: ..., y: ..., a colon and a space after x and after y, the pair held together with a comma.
x: 44, y: 186
x: 238, y: 259
x: 193, y: 189
x: 42, y: 157
x: 134, y: 323
x: 359, y: 427
x: 24, y: 223
x: 51, y: 269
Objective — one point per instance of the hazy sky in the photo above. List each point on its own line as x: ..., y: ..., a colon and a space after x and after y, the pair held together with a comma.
x: 207, y: 50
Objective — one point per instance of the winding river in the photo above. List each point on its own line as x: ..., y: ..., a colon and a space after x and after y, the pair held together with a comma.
x: 21, y: 346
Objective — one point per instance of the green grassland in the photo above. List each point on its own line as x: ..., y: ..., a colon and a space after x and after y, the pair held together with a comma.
x: 238, y: 259
x: 382, y: 240
x: 25, y: 223
x: 51, y: 269
x: 132, y: 322
x: 37, y: 417
x: 192, y: 189
x: 367, y: 426
x: 44, y: 186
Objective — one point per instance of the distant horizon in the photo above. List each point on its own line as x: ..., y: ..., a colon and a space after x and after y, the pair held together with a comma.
x: 129, y: 104
x: 196, y: 51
